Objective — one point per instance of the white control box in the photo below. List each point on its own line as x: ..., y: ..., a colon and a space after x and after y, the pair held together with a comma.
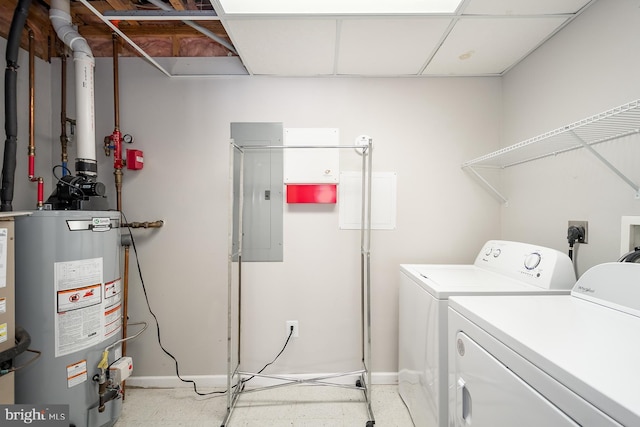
x: 121, y: 369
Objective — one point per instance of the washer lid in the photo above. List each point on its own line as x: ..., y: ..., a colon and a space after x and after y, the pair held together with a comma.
x: 613, y: 284
x: 445, y: 280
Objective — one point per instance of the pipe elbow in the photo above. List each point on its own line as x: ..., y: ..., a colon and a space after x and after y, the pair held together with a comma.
x: 61, y: 22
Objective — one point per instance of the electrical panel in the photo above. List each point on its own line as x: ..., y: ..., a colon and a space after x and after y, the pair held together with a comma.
x: 262, y: 210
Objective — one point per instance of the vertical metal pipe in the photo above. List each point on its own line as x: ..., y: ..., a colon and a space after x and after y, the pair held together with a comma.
x: 116, y: 137
x: 125, y: 308
x: 117, y: 140
x: 20, y: 15
x: 32, y: 84
x: 32, y: 145
x: 63, y: 114
x: 116, y: 88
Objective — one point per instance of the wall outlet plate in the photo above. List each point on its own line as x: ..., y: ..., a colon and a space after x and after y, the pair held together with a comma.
x: 293, y: 323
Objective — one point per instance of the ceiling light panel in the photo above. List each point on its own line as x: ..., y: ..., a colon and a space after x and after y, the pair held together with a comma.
x: 338, y: 6
x: 523, y: 7
x: 294, y: 47
x: 489, y: 46
x: 388, y: 47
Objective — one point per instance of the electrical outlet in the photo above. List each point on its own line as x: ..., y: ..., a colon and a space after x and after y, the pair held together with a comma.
x: 585, y: 227
x: 294, y: 324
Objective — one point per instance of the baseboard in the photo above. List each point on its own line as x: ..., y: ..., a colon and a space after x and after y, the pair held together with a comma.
x: 220, y: 381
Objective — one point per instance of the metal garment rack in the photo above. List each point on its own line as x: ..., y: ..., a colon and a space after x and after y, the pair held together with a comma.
x: 235, y: 375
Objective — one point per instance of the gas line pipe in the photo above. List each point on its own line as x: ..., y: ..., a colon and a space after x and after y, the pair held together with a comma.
x: 114, y: 142
x: 32, y: 145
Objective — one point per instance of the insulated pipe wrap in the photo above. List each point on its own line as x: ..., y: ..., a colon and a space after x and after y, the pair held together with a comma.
x: 10, y: 104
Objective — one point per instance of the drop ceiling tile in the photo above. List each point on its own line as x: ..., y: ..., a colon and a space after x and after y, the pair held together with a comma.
x: 523, y: 7
x: 483, y: 46
x: 295, y: 47
x: 389, y: 46
x: 338, y: 6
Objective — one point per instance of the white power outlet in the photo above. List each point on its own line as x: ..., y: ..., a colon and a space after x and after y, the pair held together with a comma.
x: 292, y: 324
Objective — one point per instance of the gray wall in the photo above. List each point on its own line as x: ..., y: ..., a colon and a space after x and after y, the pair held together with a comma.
x: 590, y: 67
x: 422, y: 129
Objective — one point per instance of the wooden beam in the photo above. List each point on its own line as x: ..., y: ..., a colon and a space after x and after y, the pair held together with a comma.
x: 150, y: 29
x: 177, y: 4
x: 122, y: 5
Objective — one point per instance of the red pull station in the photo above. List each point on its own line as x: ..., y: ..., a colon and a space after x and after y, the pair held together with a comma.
x: 135, y: 159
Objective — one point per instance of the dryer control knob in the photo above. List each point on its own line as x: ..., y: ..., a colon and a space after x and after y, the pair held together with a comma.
x: 532, y: 260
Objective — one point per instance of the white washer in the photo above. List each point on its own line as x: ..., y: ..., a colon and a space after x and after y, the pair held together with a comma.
x: 501, y: 268
x: 568, y: 360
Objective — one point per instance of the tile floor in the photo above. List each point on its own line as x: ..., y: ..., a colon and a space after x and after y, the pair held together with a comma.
x: 295, y: 406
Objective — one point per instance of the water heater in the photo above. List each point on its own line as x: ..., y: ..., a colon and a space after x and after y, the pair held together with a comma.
x: 69, y: 298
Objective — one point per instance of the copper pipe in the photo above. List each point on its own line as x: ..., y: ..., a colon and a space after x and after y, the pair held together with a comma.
x: 116, y: 88
x: 117, y: 173
x: 32, y: 91
x: 32, y: 144
x: 125, y: 308
x: 116, y: 109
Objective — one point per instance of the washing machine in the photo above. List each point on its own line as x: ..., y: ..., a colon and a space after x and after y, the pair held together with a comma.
x: 566, y: 360
x: 500, y: 268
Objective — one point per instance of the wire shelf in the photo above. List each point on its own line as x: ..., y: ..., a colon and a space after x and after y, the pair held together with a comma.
x: 606, y: 126
x: 609, y: 125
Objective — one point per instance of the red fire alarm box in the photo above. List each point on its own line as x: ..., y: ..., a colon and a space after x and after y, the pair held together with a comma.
x: 135, y: 159
x: 311, y: 193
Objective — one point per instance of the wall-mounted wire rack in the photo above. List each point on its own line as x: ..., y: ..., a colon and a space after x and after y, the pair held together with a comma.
x: 236, y: 375
x: 607, y: 126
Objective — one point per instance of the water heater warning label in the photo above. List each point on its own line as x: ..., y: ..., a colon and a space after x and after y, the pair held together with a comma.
x: 77, y: 298
x: 76, y: 373
x: 79, y: 320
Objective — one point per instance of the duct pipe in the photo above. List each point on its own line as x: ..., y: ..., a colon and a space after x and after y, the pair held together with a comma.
x: 160, y: 4
x: 10, y: 105
x: 84, y: 63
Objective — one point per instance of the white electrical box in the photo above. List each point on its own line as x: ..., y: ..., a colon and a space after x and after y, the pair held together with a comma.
x: 311, y: 165
x: 121, y: 369
x: 629, y: 234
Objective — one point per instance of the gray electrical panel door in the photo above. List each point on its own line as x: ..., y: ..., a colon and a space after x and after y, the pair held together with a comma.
x: 263, y: 186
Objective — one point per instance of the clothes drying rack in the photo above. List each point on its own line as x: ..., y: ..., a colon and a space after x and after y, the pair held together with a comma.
x: 235, y: 373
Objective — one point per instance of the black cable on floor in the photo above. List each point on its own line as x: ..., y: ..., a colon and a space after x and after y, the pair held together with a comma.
x: 146, y: 297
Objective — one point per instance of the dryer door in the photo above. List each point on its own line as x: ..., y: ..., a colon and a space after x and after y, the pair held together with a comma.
x: 489, y: 395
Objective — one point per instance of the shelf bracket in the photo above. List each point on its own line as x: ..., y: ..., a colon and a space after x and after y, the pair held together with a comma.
x: 487, y: 184
x: 608, y: 164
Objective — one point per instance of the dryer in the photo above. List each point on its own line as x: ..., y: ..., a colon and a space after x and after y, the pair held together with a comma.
x: 569, y: 360
x: 500, y: 268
